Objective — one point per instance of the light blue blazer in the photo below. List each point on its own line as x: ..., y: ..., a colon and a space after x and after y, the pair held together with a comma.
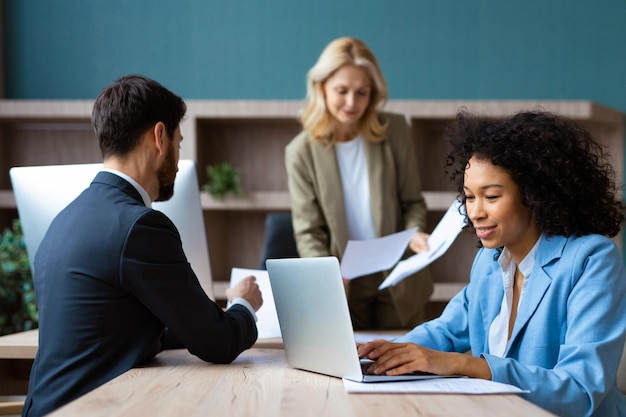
x: 570, y: 329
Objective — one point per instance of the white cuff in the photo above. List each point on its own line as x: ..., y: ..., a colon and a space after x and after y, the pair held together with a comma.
x: 243, y: 302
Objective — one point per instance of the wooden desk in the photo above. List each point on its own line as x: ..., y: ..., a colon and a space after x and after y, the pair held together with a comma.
x: 17, y: 352
x: 22, y: 345
x: 260, y: 383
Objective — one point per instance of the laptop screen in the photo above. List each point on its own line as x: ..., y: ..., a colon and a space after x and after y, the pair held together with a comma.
x: 313, y: 314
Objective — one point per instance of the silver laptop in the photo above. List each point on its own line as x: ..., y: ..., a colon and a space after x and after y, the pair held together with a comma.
x: 315, y: 321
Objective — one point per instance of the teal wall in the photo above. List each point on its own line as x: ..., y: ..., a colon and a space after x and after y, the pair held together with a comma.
x: 254, y: 49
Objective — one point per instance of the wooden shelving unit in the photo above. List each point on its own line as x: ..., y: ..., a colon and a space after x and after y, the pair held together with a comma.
x: 252, y: 135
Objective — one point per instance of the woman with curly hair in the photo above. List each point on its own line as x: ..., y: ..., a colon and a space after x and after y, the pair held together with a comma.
x: 545, y: 308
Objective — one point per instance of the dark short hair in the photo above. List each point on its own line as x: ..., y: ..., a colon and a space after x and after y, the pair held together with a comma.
x: 127, y: 107
x: 565, y: 177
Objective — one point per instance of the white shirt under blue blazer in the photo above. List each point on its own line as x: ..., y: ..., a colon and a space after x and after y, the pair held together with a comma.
x: 569, y: 334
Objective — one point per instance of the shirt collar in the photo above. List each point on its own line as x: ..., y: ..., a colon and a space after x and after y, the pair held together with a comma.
x: 527, y: 264
x: 144, y: 195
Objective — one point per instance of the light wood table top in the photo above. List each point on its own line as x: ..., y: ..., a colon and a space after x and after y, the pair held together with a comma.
x: 260, y: 383
x: 22, y: 345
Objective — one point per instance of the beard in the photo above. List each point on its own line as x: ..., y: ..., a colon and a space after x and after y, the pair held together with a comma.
x: 166, y: 176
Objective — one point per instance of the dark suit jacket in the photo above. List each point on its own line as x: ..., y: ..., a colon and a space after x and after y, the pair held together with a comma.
x: 110, y: 278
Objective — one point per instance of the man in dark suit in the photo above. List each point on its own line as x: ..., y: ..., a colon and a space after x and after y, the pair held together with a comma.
x: 113, y: 284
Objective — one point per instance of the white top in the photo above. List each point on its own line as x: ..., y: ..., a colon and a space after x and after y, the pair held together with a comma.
x: 499, y: 329
x: 356, y: 189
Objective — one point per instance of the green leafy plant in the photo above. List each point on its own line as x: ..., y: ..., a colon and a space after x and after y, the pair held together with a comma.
x: 18, y: 307
x: 223, y: 179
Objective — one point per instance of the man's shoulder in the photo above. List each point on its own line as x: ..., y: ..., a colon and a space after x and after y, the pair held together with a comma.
x: 146, y: 215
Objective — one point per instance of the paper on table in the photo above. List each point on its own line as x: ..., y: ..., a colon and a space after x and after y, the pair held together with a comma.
x: 364, y: 337
x: 363, y: 257
x: 448, y: 385
x: 267, y: 318
x: 439, y: 241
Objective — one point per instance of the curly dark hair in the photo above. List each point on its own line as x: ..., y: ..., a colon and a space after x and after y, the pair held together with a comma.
x: 564, y: 175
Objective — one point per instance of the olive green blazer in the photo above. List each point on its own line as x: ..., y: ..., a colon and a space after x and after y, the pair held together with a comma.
x: 317, y: 206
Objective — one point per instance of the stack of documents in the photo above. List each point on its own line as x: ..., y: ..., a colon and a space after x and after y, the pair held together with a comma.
x: 364, y: 257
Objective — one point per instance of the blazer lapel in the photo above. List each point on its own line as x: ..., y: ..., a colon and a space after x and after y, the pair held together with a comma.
x: 329, y: 180
x: 493, y: 287
x: 538, y: 283
x: 374, y: 160
x: 535, y: 290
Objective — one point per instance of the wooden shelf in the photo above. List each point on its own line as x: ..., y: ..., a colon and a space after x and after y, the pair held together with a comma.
x: 280, y: 201
x: 259, y: 200
x: 251, y: 135
x: 7, y: 199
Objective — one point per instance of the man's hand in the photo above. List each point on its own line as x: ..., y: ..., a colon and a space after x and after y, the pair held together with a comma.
x: 247, y: 289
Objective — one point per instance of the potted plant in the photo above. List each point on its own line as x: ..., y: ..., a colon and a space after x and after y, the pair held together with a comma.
x: 18, y: 307
x: 223, y: 179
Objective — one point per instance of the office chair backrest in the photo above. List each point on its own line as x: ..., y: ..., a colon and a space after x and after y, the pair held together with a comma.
x: 279, y: 241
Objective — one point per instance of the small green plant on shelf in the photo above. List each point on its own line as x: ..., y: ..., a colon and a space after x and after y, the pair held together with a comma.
x: 18, y: 307
x: 223, y: 180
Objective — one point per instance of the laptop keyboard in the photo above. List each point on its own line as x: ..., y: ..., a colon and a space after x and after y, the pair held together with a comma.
x: 365, y: 365
x: 365, y: 368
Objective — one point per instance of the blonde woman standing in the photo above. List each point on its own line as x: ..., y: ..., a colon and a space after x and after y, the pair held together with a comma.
x: 352, y: 175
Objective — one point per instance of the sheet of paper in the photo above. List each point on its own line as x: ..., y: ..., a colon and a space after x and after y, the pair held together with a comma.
x: 364, y: 337
x: 439, y: 241
x: 364, y: 257
x: 267, y: 319
x: 447, y: 385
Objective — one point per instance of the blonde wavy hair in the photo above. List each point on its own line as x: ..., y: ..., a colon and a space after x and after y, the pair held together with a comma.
x: 315, y: 118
